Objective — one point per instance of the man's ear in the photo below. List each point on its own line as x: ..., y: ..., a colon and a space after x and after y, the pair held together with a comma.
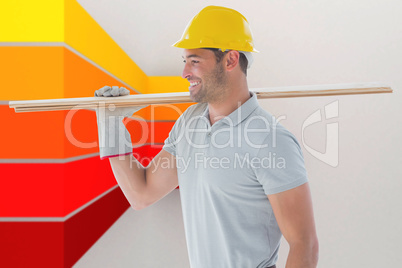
x: 232, y: 59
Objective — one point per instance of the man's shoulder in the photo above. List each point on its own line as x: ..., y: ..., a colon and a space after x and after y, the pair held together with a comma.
x: 265, y: 120
x: 194, y: 110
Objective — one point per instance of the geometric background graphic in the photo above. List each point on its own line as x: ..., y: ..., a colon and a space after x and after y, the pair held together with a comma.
x: 56, y: 196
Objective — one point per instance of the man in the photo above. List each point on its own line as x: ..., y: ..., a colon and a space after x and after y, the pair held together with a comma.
x: 241, y: 174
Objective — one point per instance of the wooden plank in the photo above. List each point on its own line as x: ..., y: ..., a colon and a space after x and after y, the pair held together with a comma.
x: 183, y: 97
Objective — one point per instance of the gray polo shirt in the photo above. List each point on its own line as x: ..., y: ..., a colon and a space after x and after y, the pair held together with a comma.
x: 225, y: 173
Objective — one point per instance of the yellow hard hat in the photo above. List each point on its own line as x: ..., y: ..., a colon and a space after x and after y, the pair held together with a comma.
x: 218, y: 27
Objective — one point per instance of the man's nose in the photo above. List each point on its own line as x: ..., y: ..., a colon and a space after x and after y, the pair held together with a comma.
x: 186, y: 72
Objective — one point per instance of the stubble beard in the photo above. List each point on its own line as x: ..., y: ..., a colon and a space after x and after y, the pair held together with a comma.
x: 213, y: 87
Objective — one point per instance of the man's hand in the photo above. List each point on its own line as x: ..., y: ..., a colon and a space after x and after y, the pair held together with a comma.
x: 114, y: 91
x: 114, y: 139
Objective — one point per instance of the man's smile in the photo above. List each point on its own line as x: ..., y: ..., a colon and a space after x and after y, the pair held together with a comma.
x: 194, y: 84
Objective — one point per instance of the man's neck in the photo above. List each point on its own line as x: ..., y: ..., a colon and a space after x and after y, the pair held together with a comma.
x: 233, y: 101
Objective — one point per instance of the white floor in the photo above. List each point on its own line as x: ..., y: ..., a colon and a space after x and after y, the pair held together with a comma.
x: 152, y: 237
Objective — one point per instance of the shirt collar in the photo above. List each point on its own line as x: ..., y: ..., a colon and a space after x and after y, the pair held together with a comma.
x: 238, y: 115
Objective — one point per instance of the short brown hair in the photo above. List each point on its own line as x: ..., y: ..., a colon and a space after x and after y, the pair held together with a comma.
x: 219, y: 56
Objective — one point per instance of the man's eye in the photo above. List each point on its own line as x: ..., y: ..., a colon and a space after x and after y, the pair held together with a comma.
x: 193, y: 61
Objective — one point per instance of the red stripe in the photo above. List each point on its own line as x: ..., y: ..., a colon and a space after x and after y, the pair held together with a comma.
x: 115, y: 155
x: 52, y: 190
x: 146, y: 153
x: 85, y: 228
x: 31, y: 244
x: 148, y: 132
x: 59, y: 244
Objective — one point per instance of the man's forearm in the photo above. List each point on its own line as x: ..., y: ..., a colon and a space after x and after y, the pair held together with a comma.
x: 130, y: 175
x: 303, y: 255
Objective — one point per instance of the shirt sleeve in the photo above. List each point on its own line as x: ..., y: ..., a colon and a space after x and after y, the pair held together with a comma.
x: 171, y: 140
x: 281, y: 165
x: 170, y: 144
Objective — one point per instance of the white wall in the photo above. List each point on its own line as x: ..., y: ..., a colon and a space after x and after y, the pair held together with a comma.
x: 358, y: 204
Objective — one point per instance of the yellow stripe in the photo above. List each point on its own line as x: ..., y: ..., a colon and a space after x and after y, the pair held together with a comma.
x: 31, y: 21
x: 31, y: 73
x: 86, y: 36
x: 165, y: 84
x: 66, y: 21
